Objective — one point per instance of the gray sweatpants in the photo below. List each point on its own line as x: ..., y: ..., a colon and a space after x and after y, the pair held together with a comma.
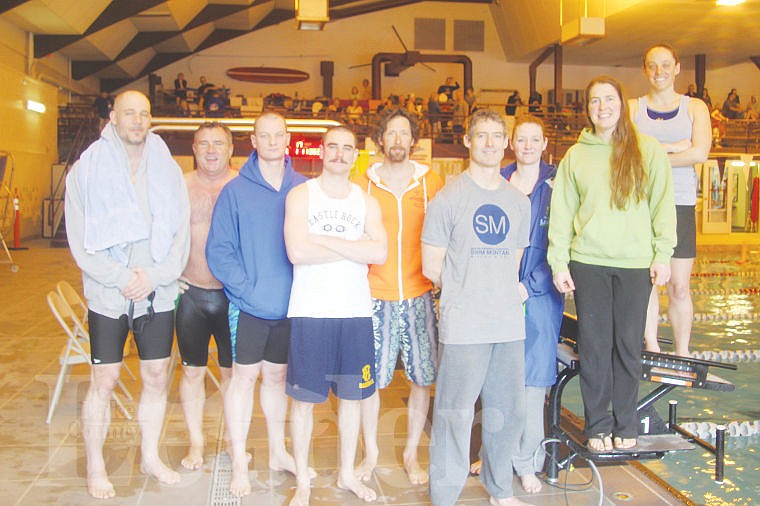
x: 524, y: 462
x: 495, y: 372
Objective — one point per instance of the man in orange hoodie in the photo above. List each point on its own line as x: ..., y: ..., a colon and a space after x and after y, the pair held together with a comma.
x: 403, y: 309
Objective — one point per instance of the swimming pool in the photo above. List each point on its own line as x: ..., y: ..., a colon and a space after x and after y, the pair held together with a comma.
x: 726, y: 297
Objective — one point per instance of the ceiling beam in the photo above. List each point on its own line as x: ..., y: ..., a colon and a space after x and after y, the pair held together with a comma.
x: 208, y: 14
x: 110, y: 85
x: 6, y: 5
x: 117, y: 10
x: 85, y: 68
x: 212, y: 12
x: 275, y: 17
x: 144, y: 40
x: 161, y: 60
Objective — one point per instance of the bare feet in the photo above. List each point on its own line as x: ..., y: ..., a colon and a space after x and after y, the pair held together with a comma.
x: 475, y: 467
x: 530, y: 483
x: 240, y: 485
x: 599, y: 443
x: 621, y: 443
x: 301, y: 497
x: 509, y: 501
x: 160, y: 472
x: 364, y: 470
x: 288, y: 464
x: 194, y: 458
x: 352, y: 484
x: 99, y: 486
x: 416, y: 474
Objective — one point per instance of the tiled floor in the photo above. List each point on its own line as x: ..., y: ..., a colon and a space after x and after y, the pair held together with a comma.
x: 45, y: 465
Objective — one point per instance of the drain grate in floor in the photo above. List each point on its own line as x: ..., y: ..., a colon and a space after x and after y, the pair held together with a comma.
x: 220, y: 482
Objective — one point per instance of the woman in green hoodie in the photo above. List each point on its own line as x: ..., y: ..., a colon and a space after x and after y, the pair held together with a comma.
x: 611, y: 236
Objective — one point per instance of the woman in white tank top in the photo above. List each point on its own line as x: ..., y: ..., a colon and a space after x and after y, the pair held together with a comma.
x: 686, y: 137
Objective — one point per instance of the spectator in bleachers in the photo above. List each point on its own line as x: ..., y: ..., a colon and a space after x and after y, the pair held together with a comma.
x: 706, y: 98
x: 354, y: 93
x: 534, y: 104
x: 180, y: 93
x: 103, y: 105
x: 316, y: 108
x: 366, y: 93
x: 458, y: 116
x: 732, y: 109
x: 354, y: 112
x: 434, y: 113
x: 448, y: 88
x: 334, y: 110
x: 513, y: 102
x: 296, y: 104
x: 692, y: 91
x: 718, y: 125
x: 204, y: 92
x: 753, y: 108
x: 472, y: 101
x: 214, y: 105
x: 387, y: 104
x: 414, y: 106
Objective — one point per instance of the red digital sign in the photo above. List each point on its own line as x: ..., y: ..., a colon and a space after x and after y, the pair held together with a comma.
x: 304, y: 148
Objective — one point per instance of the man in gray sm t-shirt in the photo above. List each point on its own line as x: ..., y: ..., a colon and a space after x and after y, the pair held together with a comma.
x: 472, y: 242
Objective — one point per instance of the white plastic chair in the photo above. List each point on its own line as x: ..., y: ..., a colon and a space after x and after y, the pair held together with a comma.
x: 77, y: 305
x: 76, y: 350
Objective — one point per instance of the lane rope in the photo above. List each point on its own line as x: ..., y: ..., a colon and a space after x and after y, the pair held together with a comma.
x: 706, y: 430
x: 718, y: 317
x: 728, y: 355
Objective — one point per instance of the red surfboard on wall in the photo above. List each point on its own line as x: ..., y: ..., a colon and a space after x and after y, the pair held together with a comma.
x: 267, y: 75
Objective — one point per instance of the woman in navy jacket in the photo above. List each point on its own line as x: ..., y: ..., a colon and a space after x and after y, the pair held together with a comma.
x: 543, y: 303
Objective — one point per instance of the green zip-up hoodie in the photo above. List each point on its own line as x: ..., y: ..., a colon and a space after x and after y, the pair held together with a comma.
x: 586, y: 227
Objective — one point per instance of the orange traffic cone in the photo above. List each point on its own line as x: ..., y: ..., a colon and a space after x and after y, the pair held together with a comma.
x: 16, y: 222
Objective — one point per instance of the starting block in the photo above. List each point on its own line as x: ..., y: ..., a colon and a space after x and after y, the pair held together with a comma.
x: 668, y: 372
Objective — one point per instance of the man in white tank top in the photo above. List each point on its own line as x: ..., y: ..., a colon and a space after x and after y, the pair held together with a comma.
x: 333, y: 230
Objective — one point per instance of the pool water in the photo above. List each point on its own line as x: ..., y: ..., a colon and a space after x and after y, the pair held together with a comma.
x: 726, y: 296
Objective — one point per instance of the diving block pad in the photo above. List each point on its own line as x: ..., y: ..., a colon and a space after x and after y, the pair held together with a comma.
x: 648, y: 446
x: 660, y: 443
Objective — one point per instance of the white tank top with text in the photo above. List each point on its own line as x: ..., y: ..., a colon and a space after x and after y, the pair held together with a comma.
x: 337, y: 289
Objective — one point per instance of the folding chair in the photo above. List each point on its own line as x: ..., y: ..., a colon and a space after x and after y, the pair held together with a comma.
x: 76, y: 350
x: 75, y: 302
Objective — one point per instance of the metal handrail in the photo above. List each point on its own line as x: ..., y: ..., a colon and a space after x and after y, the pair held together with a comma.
x: 77, y: 146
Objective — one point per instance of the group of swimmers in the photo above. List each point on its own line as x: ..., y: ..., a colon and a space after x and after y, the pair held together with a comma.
x: 318, y: 286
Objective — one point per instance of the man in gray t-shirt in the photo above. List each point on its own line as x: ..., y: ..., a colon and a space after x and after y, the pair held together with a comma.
x: 472, y: 243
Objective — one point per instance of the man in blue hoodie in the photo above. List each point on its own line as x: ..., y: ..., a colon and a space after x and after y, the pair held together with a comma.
x: 246, y: 252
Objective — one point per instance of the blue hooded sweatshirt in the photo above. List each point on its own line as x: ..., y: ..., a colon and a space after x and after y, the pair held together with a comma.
x: 544, y: 306
x: 245, y: 248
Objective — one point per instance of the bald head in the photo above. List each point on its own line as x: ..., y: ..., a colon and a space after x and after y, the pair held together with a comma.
x: 131, y: 117
x: 270, y: 137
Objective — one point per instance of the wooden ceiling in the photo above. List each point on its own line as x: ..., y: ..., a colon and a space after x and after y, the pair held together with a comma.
x: 120, y: 41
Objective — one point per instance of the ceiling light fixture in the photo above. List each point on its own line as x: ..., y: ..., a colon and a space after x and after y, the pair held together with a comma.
x: 730, y: 3
x: 312, y: 14
x: 583, y: 29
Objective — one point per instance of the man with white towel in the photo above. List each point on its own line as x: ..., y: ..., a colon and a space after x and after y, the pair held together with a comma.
x: 128, y: 226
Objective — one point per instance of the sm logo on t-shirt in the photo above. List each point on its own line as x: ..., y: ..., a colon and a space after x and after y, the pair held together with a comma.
x: 491, y: 224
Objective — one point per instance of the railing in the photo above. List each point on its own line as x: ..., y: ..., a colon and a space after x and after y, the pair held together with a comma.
x: 82, y: 138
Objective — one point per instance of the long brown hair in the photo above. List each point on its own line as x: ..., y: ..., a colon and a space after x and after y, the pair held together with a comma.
x: 627, y: 176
